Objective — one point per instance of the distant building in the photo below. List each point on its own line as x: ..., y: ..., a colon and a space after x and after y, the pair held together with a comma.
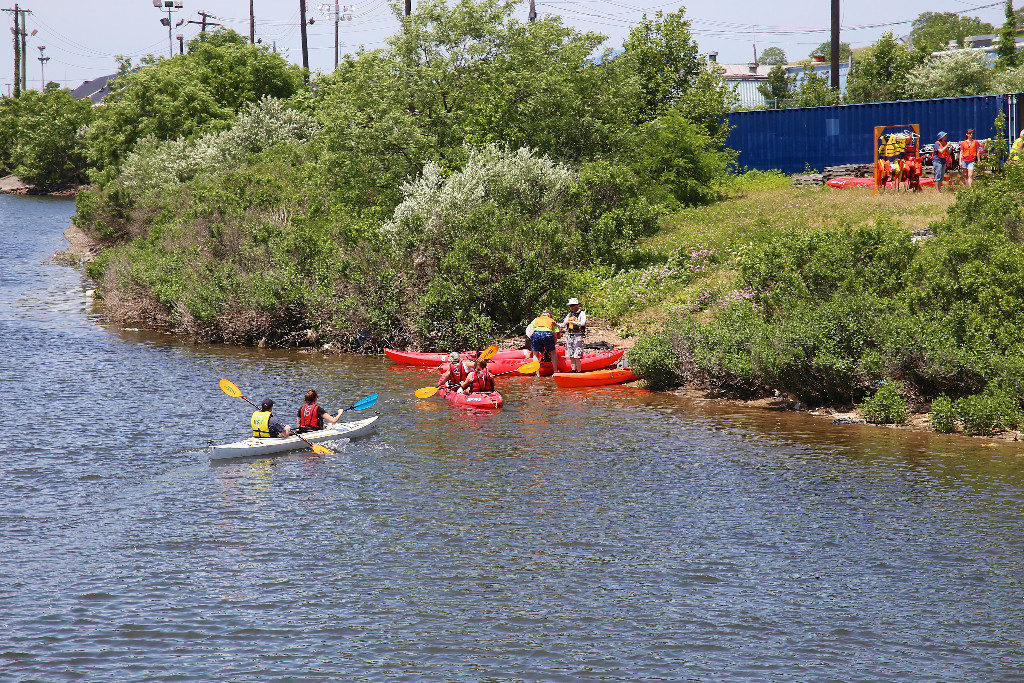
x: 94, y: 90
x: 746, y: 78
x: 986, y: 44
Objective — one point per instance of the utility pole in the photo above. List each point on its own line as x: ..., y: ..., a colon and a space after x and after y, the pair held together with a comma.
x: 43, y: 59
x: 252, y: 23
x: 24, y: 49
x: 408, y: 7
x: 169, y: 6
x: 17, y: 49
x: 533, y: 10
x: 337, y: 13
x: 205, y: 22
x: 181, y: 43
x: 305, y: 46
x: 835, y: 44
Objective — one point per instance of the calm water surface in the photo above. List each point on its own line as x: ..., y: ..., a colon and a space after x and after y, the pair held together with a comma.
x: 600, y: 535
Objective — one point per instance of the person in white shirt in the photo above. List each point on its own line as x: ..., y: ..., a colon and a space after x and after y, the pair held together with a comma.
x: 575, y: 326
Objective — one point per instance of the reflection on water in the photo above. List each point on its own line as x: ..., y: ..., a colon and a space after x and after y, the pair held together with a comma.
x: 575, y: 535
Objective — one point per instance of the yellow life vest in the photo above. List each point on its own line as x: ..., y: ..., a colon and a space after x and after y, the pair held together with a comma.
x: 1017, y: 148
x: 573, y: 324
x: 261, y: 424
x: 543, y: 323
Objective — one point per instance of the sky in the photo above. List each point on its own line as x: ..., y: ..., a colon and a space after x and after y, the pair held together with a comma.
x: 83, y: 37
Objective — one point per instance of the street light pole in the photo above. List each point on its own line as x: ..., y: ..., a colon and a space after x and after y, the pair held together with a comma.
x: 43, y: 59
x: 168, y: 6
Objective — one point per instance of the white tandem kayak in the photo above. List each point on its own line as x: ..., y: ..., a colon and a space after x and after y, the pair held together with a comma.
x: 253, y: 446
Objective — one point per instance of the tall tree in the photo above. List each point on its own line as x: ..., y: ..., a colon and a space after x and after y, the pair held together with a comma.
x: 825, y: 49
x: 932, y: 31
x: 772, y: 55
x: 777, y: 88
x: 1007, y: 48
x: 662, y: 55
x: 814, y: 90
x: 881, y: 75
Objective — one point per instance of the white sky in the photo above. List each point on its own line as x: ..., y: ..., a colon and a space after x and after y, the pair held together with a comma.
x: 82, y: 37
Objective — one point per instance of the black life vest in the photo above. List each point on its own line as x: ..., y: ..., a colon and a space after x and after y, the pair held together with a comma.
x: 308, y: 417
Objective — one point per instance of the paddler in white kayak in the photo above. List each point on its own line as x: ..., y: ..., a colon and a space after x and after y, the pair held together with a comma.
x: 265, y: 425
x: 312, y: 416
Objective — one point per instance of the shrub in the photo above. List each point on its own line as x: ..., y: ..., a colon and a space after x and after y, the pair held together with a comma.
x: 48, y: 148
x: 653, y: 358
x: 886, y: 406
x: 942, y: 414
x: 988, y: 413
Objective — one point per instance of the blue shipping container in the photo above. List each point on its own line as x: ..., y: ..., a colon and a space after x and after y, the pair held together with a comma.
x: 791, y: 140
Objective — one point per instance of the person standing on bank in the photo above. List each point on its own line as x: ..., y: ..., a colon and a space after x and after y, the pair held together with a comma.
x: 312, y: 416
x: 575, y: 326
x: 940, y: 162
x: 542, y: 338
x: 969, y: 153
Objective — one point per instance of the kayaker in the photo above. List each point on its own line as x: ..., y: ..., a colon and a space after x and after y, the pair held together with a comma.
x: 1017, y: 148
x: 968, y: 155
x: 265, y: 425
x: 542, y: 337
x: 575, y: 326
x: 312, y: 416
x: 456, y: 371
x: 480, y: 379
x: 941, y: 160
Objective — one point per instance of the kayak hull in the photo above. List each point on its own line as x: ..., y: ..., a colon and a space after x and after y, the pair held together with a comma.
x: 430, y: 360
x: 485, y: 400
x: 590, y: 361
x: 261, y: 447
x: 849, y: 181
x: 596, y: 378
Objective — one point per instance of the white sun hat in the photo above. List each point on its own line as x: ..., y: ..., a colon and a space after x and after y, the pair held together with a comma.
x: 574, y: 300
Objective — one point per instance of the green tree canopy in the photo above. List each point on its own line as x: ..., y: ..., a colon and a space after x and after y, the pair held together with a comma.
x: 777, y: 88
x: 1007, y: 47
x: 814, y: 90
x: 187, y: 95
x: 932, y: 31
x: 881, y: 75
x: 825, y: 50
x: 47, y: 148
x: 772, y: 55
x: 963, y: 72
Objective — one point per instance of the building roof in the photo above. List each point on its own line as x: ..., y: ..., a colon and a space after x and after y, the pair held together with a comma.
x: 95, y: 90
x: 745, y: 71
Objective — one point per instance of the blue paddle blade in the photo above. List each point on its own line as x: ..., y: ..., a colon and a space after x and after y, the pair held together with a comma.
x: 364, y: 403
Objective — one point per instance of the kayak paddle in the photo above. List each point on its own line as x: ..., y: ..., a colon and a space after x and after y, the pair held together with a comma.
x: 362, y: 404
x: 525, y: 369
x: 231, y: 390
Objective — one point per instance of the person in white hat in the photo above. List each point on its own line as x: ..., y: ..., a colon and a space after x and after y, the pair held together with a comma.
x: 575, y: 326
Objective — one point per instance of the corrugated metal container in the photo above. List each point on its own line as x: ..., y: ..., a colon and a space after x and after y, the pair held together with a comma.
x: 791, y: 140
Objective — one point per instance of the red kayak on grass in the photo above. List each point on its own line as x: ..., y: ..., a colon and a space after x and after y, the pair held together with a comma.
x: 597, y: 378
x: 590, y: 361
x: 487, y: 400
x: 430, y: 360
x: 850, y: 181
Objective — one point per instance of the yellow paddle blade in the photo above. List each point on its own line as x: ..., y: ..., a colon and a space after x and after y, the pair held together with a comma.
x: 489, y: 351
x: 426, y: 392
x: 322, y: 450
x: 528, y: 368
x: 230, y: 389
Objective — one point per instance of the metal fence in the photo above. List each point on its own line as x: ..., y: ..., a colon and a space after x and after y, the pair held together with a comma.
x: 791, y: 140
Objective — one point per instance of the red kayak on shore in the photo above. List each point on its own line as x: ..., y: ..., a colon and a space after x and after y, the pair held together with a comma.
x: 590, y: 361
x: 486, y: 400
x: 430, y: 360
x: 597, y: 378
x: 849, y: 181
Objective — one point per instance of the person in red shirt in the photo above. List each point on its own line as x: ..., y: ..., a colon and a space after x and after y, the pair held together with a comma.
x: 312, y: 416
x: 969, y: 153
x: 480, y: 380
x: 455, y: 372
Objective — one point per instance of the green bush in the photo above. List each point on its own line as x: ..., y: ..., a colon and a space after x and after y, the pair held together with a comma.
x: 654, y: 359
x: 988, y: 413
x: 942, y: 414
x: 886, y: 406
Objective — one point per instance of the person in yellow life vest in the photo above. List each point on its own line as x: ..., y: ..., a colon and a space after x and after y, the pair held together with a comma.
x: 969, y: 153
x: 575, y: 326
x: 265, y: 425
x: 1017, y: 148
x: 542, y: 338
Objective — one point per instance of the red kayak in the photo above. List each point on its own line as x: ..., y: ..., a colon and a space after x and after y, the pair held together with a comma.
x: 849, y: 181
x: 431, y: 360
x: 596, y: 378
x: 487, y: 400
x: 590, y: 361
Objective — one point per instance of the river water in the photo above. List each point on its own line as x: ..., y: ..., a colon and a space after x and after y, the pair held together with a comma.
x: 609, y: 534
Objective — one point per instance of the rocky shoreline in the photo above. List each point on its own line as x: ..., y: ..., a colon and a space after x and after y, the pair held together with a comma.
x: 14, y: 185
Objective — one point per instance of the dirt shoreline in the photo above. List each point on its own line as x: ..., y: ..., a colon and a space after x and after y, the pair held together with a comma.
x: 14, y: 185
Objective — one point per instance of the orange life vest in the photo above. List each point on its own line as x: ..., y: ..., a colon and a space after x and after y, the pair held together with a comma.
x: 968, y: 150
x: 482, y: 381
